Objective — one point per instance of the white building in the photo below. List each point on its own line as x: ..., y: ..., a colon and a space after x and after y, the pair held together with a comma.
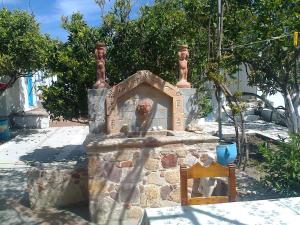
x: 22, y: 103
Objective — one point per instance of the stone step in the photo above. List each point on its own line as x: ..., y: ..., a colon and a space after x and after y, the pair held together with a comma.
x: 33, y: 119
x: 247, y: 118
x: 251, y: 118
x: 248, y: 111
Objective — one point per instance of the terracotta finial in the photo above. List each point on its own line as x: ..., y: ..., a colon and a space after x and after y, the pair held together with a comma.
x: 183, y: 56
x: 100, y: 53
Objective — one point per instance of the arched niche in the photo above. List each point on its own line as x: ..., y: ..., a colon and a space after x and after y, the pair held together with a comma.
x: 136, y: 87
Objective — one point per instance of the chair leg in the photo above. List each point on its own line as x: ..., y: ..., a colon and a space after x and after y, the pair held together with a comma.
x: 232, y: 183
x: 183, y: 185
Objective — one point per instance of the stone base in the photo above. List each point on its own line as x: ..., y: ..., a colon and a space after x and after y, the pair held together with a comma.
x: 96, y: 104
x: 183, y: 84
x: 58, y: 185
x: 127, y: 175
x: 34, y: 119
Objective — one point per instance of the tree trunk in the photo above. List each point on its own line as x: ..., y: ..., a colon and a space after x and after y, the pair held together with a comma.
x: 292, y: 112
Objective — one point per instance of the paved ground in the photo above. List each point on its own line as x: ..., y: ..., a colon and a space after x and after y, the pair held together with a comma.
x: 260, y: 127
x: 65, y: 143
x: 52, y: 144
x: 14, y: 213
x: 67, y: 123
x: 48, y: 145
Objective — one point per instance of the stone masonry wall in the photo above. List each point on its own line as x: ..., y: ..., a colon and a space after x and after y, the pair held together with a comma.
x: 122, y: 183
x: 57, y: 185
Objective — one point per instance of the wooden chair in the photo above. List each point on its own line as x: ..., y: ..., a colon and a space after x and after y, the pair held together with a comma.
x: 199, y: 171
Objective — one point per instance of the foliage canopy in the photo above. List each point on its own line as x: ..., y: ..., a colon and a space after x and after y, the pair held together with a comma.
x: 74, y: 65
x: 23, y: 49
x: 259, y: 34
x: 151, y: 42
x: 148, y: 42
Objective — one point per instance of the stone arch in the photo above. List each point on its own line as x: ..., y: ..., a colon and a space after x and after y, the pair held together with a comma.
x: 141, y: 77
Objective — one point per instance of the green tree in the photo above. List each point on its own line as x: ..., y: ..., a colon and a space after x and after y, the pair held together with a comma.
x: 149, y: 42
x: 23, y: 49
x: 272, y: 62
x: 73, y: 62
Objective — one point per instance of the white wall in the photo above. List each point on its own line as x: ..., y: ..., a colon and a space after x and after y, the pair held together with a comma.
x: 15, y: 99
x: 276, y: 100
x: 238, y: 83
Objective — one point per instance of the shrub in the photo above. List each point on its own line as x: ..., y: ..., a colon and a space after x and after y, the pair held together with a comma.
x: 282, y: 166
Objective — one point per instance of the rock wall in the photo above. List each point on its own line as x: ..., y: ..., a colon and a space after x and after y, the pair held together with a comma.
x: 57, y: 185
x: 123, y: 182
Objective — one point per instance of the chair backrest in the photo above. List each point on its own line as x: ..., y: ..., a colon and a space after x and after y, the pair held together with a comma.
x: 199, y: 171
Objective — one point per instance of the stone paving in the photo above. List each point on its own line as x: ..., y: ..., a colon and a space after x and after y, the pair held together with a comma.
x: 51, y: 144
x: 14, y: 213
x: 41, y: 146
x: 260, y: 127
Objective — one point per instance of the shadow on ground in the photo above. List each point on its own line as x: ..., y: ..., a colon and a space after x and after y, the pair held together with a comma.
x: 51, y: 155
x: 19, y: 135
x: 250, y: 189
x: 17, y: 214
x: 12, y: 183
x: 14, y: 206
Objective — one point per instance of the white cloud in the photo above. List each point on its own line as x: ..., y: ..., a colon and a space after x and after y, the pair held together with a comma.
x: 51, y: 18
x: 86, y: 7
x: 67, y: 7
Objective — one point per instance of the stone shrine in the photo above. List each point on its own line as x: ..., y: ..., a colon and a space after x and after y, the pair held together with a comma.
x: 115, y: 109
x: 137, y: 143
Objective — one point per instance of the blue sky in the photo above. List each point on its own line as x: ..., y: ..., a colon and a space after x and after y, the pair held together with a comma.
x: 49, y: 12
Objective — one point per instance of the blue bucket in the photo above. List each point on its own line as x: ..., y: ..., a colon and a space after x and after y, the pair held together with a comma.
x: 4, y: 130
x: 226, y: 153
